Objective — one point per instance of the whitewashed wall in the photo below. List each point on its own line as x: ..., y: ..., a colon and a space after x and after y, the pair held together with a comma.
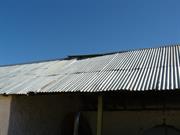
x: 5, y: 102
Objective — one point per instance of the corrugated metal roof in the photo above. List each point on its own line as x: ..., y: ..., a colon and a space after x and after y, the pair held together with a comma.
x: 137, y: 70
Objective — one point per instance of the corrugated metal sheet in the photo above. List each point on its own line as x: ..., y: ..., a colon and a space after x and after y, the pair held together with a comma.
x: 139, y: 70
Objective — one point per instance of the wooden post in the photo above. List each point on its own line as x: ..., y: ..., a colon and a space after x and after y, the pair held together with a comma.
x: 99, y: 115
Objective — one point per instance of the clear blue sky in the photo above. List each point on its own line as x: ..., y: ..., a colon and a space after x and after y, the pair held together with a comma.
x: 33, y: 30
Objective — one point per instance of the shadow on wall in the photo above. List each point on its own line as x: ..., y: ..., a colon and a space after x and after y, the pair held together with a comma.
x: 75, y: 124
x: 40, y: 114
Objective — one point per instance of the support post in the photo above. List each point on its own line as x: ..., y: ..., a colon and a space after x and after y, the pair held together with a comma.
x: 99, y: 115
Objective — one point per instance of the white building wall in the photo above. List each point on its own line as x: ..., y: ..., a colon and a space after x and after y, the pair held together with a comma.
x: 5, y: 103
x: 40, y: 115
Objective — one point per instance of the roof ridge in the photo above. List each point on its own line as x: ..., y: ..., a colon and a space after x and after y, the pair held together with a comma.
x: 79, y: 57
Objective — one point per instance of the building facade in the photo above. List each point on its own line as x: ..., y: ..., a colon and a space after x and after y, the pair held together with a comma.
x: 129, y: 93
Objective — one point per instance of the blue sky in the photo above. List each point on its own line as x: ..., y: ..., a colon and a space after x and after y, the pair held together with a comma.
x: 46, y: 29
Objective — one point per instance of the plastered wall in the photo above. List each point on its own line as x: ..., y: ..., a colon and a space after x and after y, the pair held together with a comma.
x: 132, y: 122
x: 5, y: 102
x: 43, y: 115
x: 40, y: 115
